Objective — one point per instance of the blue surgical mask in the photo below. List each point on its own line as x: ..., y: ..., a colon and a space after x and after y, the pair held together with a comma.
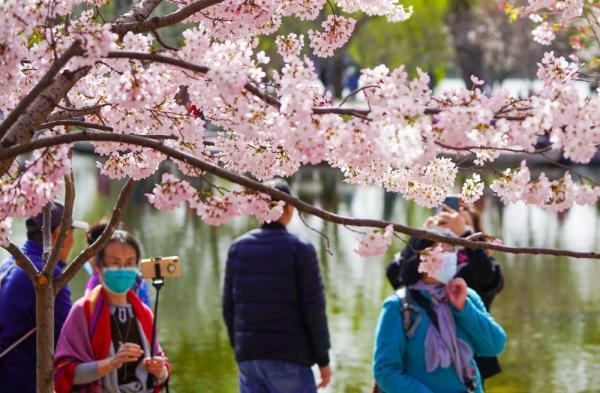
x: 448, y: 270
x: 119, y: 280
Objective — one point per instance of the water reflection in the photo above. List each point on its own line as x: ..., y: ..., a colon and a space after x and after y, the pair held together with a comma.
x: 550, y: 307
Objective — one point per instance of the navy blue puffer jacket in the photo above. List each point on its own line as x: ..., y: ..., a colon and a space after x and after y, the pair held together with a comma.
x: 273, y: 300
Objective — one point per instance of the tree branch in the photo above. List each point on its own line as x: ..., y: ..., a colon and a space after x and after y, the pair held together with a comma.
x: 74, y: 112
x: 47, y: 231
x: 95, y: 247
x: 22, y: 261
x: 25, y: 126
x: 271, y: 100
x: 65, y: 226
x: 300, y: 205
x: 73, y: 50
x: 141, y: 11
x: 162, y: 21
x: 75, y: 123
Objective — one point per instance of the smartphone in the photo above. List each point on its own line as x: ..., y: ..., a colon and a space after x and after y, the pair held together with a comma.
x: 160, y: 267
x: 453, y: 202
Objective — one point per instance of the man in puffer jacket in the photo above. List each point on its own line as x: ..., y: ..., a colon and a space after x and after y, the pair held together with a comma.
x: 274, y: 309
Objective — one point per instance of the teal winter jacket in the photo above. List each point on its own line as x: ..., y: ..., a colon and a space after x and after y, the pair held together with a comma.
x: 399, y: 363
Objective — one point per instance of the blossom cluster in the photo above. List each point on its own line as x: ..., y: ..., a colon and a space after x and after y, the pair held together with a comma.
x: 556, y: 195
x: 404, y: 139
x: 336, y: 32
x: 431, y: 260
x: 375, y: 243
x: 551, y: 16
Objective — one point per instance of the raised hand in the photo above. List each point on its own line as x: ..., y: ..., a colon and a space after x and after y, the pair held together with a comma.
x: 457, y: 293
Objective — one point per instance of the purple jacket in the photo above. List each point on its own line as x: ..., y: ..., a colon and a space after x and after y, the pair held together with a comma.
x: 17, y: 317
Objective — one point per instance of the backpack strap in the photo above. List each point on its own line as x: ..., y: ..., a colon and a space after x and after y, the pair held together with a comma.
x: 409, y: 321
x: 426, y: 305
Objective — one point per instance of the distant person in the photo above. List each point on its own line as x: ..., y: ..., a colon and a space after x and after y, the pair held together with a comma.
x: 104, y: 345
x: 17, y: 305
x: 477, y: 267
x: 427, y: 337
x: 140, y: 286
x: 274, y: 309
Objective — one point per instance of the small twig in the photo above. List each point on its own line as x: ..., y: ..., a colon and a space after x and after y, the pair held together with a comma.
x: 356, y: 91
x: 328, y: 242
x: 47, y: 231
x: 161, y: 42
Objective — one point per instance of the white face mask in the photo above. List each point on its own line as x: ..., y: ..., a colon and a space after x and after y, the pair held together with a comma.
x: 448, y: 270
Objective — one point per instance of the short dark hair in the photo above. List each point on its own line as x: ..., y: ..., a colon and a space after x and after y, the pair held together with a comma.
x: 36, y: 236
x: 122, y: 237
x: 96, y: 229
x: 280, y: 185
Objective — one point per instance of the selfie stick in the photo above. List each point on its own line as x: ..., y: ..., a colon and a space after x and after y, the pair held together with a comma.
x: 157, y: 282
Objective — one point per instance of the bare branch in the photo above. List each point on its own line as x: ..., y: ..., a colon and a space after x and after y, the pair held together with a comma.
x: 163, y: 43
x: 157, y: 58
x: 355, y: 92
x: 141, y: 11
x: 65, y: 226
x: 73, y: 50
x: 95, y: 247
x: 47, y: 231
x: 162, y: 21
x: 298, y: 204
x: 75, y: 123
x: 22, y: 261
x: 74, y: 112
x: 507, y: 149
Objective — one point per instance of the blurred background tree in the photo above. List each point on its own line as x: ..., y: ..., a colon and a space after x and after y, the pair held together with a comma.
x: 456, y: 38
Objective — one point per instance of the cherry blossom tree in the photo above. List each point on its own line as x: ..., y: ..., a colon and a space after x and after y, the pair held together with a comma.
x: 69, y: 77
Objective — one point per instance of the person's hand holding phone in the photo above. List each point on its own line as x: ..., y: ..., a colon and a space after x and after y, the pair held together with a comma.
x: 452, y: 220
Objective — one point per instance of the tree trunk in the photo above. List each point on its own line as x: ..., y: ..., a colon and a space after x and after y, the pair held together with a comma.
x: 469, y: 54
x: 44, y: 316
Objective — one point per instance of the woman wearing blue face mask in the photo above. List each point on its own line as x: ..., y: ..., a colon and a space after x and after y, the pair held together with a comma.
x: 428, y: 344
x: 104, y: 346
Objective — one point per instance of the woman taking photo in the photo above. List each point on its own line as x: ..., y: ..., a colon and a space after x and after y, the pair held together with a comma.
x: 104, y: 345
x: 426, y: 341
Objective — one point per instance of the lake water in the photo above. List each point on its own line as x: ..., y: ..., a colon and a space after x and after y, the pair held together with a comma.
x: 550, y: 307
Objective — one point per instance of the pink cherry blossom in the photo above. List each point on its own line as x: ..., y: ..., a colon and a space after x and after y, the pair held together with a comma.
x: 5, y: 231
x: 289, y: 46
x: 472, y: 189
x: 375, y: 243
x: 170, y: 192
x: 336, y: 32
x: 431, y: 260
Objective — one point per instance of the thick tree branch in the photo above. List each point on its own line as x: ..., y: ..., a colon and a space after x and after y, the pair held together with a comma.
x: 22, y: 261
x: 65, y: 226
x: 95, y: 247
x: 73, y: 50
x: 26, y: 125
x: 162, y: 21
x: 300, y: 205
